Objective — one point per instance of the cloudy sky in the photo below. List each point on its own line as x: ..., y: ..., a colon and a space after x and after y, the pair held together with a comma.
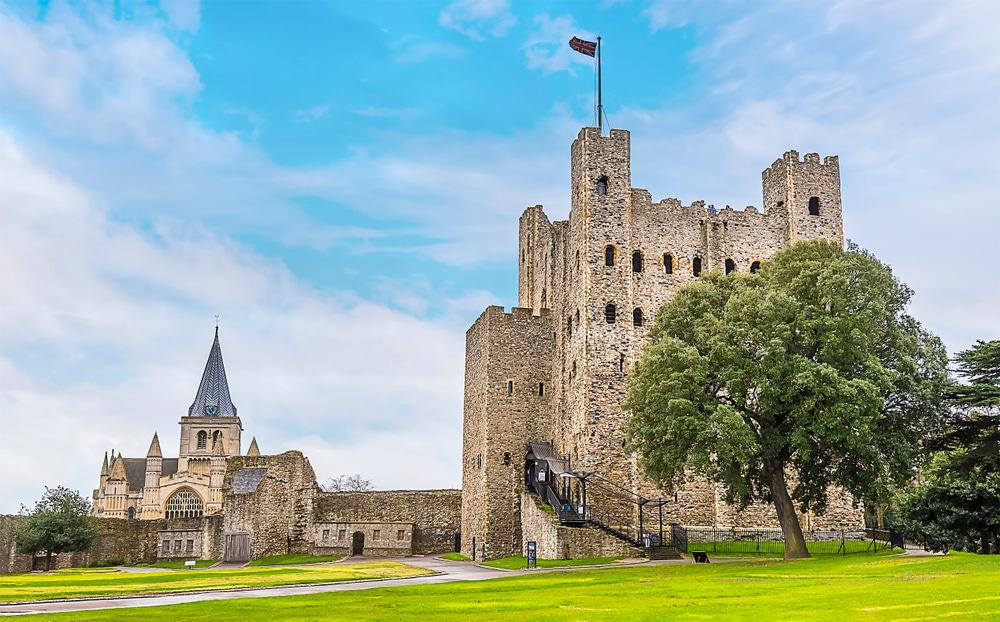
x: 341, y: 183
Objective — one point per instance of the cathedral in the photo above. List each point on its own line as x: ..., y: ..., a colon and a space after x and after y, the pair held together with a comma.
x: 190, y: 485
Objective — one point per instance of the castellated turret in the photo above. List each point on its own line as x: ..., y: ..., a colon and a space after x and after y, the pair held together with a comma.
x: 588, y: 288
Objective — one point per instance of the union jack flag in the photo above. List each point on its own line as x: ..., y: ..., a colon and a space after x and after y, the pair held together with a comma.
x: 584, y: 47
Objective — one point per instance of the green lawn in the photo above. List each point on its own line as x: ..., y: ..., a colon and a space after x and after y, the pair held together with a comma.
x: 178, y: 564
x: 518, y: 563
x: 753, y: 548
x: 455, y: 557
x: 293, y: 558
x: 838, y: 589
x: 101, y: 582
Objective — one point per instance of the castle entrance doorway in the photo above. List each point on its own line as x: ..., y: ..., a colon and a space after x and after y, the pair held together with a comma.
x: 358, y: 543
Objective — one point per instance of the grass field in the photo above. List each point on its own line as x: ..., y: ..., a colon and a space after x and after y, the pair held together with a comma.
x: 455, y: 557
x: 518, y: 563
x: 754, y: 548
x: 293, y: 558
x: 107, y: 581
x: 958, y: 586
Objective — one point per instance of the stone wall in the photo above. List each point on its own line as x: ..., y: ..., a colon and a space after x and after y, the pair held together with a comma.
x: 556, y: 541
x: 270, y: 498
x: 434, y: 514
x: 380, y: 539
x: 119, y: 541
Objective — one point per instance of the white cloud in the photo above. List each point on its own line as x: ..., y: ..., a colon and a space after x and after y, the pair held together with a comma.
x: 127, y: 316
x: 306, y: 115
x: 473, y: 18
x: 547, y: 48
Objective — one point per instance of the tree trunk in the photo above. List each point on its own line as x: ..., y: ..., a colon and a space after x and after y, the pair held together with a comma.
x: 795, y: 542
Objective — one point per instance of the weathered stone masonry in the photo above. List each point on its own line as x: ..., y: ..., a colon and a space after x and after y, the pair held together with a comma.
x: 588, y: 288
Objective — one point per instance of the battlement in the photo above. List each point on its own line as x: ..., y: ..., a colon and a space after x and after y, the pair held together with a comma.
x: 792, y: 157
x: 615, y: 135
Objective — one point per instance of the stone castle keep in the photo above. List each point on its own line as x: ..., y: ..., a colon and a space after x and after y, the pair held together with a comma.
x: 544, y: 383
x: 543, y: 455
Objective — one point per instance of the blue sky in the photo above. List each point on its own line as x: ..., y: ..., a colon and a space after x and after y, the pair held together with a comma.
x: 341, y: 182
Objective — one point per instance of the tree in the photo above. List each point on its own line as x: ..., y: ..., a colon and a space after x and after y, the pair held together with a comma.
x: 810, y: 367
x: 59, y: 523
x: 953, y: 507
x: 957, y: 505
x: 348, y: 483
x: 974, y: 426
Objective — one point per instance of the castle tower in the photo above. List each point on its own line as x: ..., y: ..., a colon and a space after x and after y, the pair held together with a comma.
x: 151, y: 487
x: 808, y: 191
x: 212, y: 422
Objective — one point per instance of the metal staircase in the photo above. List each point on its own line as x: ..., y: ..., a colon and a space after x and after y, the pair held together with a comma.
x: 583, y: 498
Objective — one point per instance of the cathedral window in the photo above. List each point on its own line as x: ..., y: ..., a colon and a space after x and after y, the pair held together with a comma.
x: 668, y: 263
x: 202, y: 439
x: 602, y: 186
x: 183, y: 504
x: 637, y: 261
x: 730, y: 266
x: 814, y: 206
x: 637, y: 317
x: 696, y: 266
x: 754, y: 267
x: 609, y: 255
x: 609, y: 313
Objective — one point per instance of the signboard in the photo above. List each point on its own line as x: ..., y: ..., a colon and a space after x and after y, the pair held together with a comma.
x: 532, y: 554
x: 190, y: 563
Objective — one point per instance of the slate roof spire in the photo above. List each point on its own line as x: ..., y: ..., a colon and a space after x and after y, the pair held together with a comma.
x: 212, y: 399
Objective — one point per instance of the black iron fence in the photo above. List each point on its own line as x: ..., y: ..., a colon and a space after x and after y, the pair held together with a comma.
x: 771, y: 542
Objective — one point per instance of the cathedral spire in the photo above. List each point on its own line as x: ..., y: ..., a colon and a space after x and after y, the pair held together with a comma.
x: 154, y: 448
x: 212, y: 399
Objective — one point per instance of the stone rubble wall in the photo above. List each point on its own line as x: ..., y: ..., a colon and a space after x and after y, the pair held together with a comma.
x: 434, y: 514
x: 555, y: 541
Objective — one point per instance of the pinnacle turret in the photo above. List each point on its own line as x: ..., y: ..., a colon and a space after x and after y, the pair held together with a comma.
x: 253, y: 450
x: 104, y: 465
x: 154, y: 448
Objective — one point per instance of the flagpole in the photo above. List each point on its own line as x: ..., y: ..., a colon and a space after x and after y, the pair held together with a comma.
x: 600, y: 106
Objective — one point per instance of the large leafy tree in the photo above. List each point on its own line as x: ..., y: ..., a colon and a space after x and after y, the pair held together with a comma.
x: 974, y: 426
x: 60, y: 522
x: 809, y: 367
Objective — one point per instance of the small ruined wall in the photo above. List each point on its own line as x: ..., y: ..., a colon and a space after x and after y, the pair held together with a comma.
x: 118, y: 541
x: 559, y: 542
x: 270, y: 498
x: 435, y: 514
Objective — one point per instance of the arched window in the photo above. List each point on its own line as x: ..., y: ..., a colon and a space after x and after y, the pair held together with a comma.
x: 609, y: 255
x: 183, y: 504
x: 202, y: 439
x: 814, y: 206
x: 637, y: 261
x: 637, y: 317
x: 216, y: 438
x: 754, y: 267
x: 696, y: 266
x: 668, y: 263
x: 609, y: 313
x: 730, y: 266
x: 131, y: 513
x: 602, y: 186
